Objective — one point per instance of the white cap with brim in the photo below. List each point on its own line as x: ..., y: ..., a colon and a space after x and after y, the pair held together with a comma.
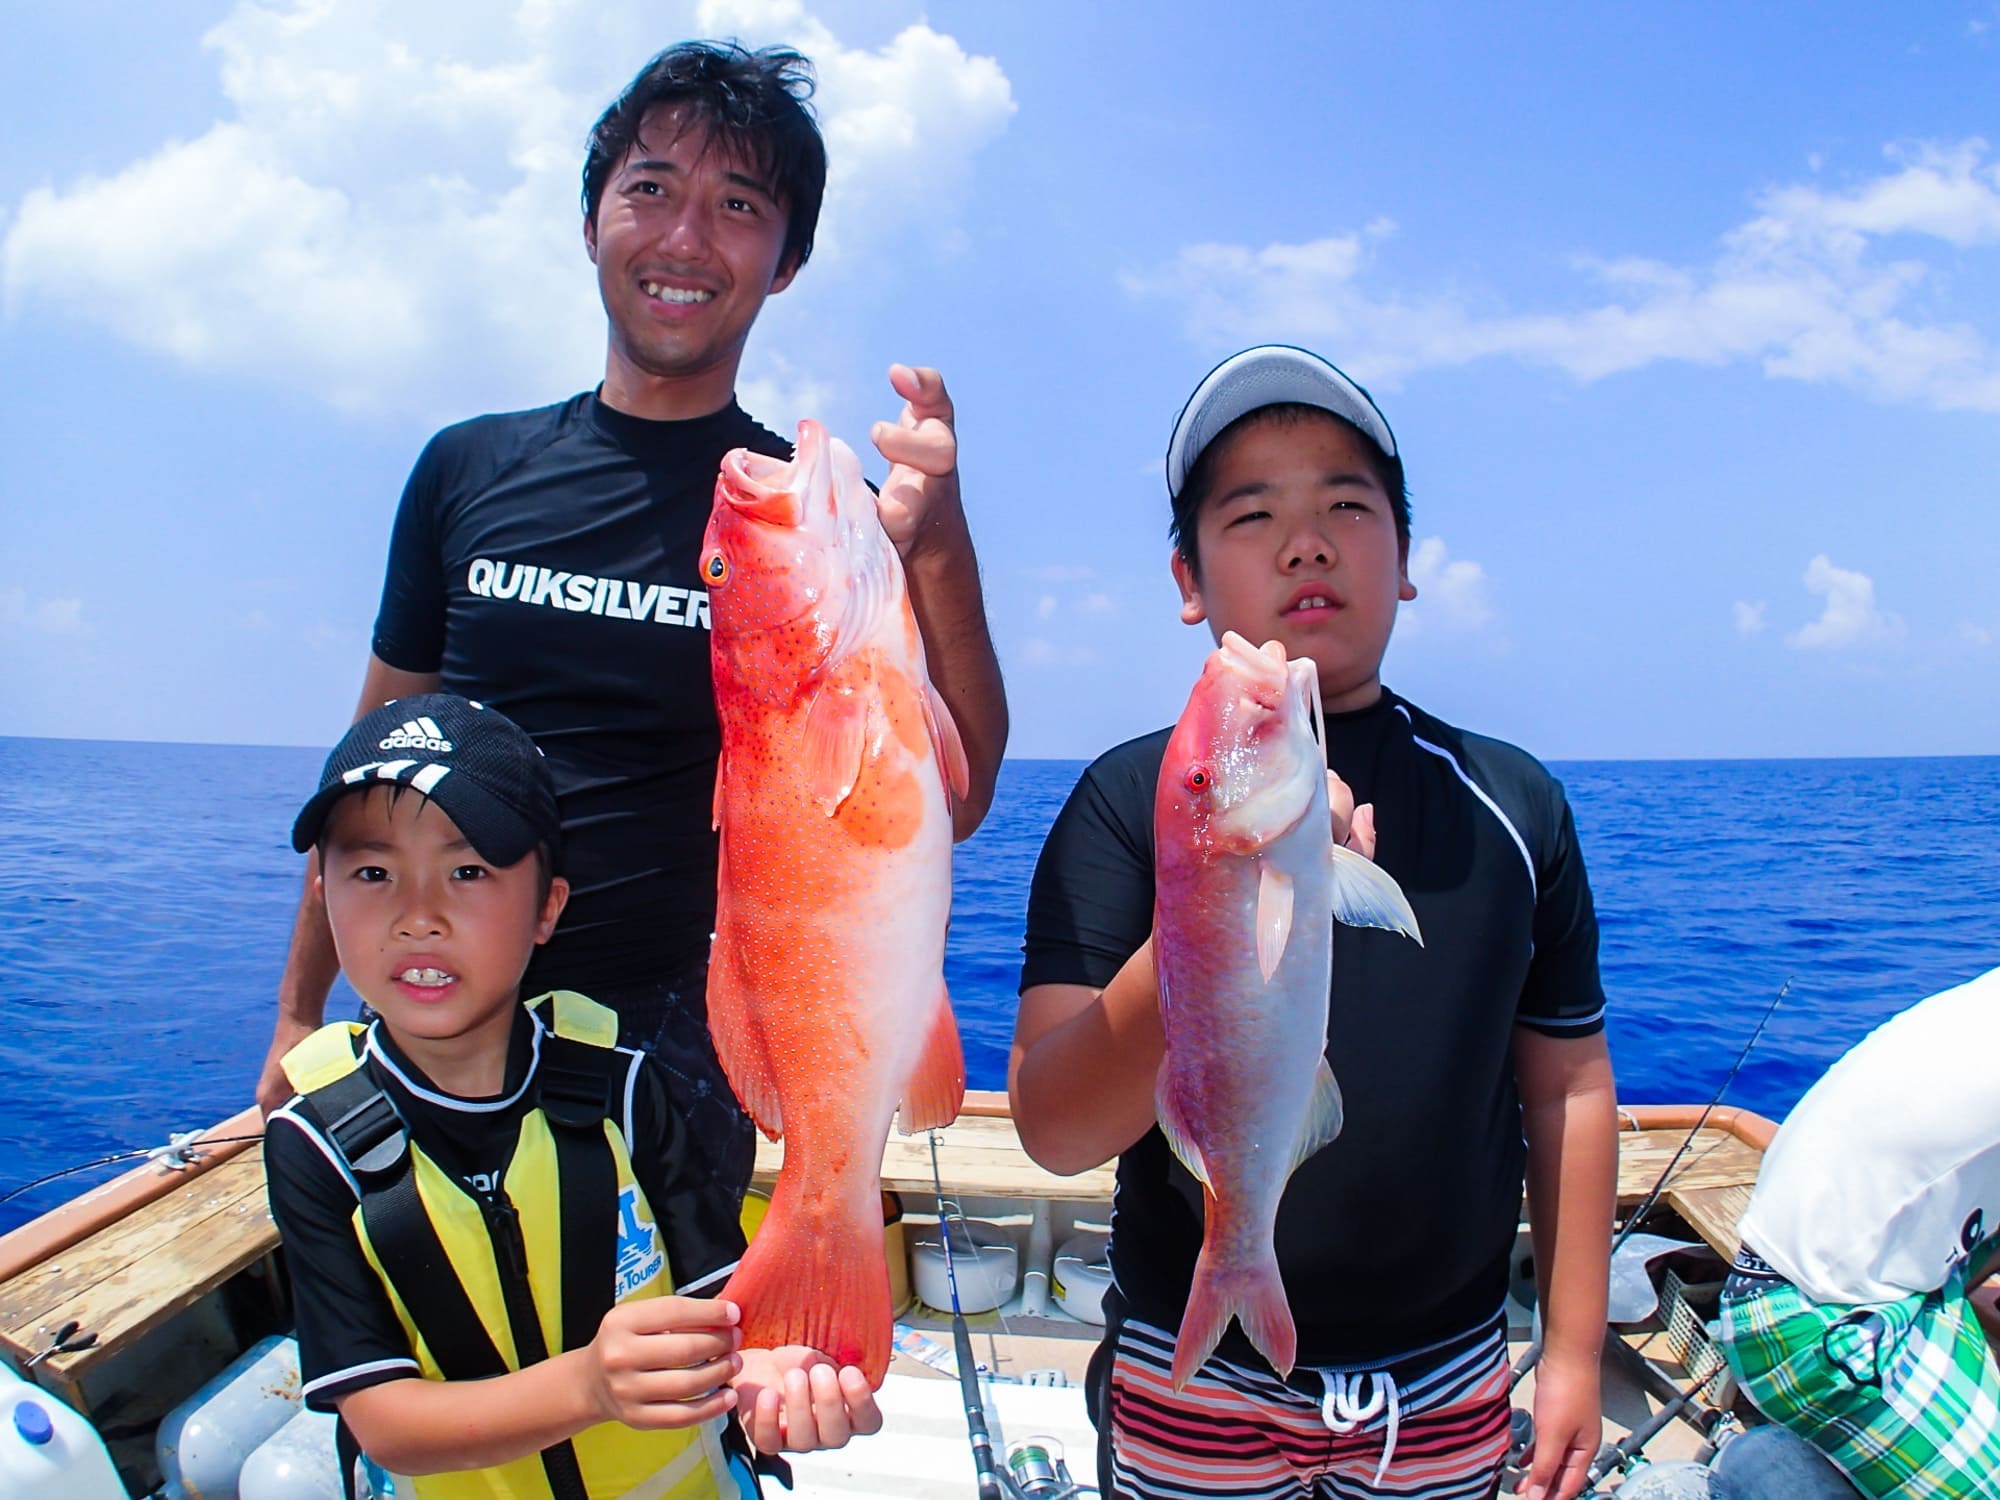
x: 1268, y: 375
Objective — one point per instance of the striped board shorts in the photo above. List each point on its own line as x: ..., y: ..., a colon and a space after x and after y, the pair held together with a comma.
x: 1903, y: 1397
x: 1429, y: 1425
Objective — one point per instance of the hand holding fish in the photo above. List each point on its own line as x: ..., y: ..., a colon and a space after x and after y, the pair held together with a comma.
x: 1353, y: 827
x: 796, y: 1400
x: 919, y: 504
x: 664, y: 1361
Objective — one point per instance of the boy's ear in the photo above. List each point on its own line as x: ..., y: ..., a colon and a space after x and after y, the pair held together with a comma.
x: 590, y: 238
x: 319, y: 876
x: 552, y: 908
x: 1405, y: 590
x: 1193, y: 612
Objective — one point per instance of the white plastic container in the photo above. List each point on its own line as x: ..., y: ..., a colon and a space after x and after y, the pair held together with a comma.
x: 297, y: 1462
x: 47, y: 1450
x: 202, y: 1443
x: 1082, y: 1275
x: 987, y: 1270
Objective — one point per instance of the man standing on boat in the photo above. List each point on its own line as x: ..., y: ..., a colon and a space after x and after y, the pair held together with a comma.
x: 544, y: 562
x: 1464, y: 1063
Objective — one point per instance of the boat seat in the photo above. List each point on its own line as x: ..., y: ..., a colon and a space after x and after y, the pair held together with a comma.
x: 132, y: 1275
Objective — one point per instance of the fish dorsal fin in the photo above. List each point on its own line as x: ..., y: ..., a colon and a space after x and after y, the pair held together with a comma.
x: 1174, y: 1126
x: 1274, y: 917
x: 1324, y: 1115
x: 1366, y: 895
x: 950, y: 748
x: 836, y: 741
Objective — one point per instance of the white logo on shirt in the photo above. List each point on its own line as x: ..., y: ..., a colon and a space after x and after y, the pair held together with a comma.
x: 580, y: 593
x: 640, y: 1257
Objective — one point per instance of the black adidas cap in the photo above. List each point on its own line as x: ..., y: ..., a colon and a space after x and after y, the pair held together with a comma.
x: 477, y: 764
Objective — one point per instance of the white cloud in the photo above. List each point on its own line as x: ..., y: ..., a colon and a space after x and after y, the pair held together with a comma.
x: 1851, y: 616
x: 1820, y: 285
x: 1749, y: 617
x: 56, y: 617
x: 1975, y: 635
x: 1046, y: 606
x: 1060, y: 573
x: 1040, y: 652
x: 1451, y: 594
x: 387, y: 211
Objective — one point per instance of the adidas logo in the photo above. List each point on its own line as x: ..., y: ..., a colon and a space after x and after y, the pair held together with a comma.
x: 420, y: 733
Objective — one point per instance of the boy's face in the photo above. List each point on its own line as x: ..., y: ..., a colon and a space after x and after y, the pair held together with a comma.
x: 1298, y: 544
x: 688, y: 242
x: 432, y: 936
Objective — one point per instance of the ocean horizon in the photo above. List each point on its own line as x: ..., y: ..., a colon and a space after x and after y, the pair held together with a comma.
x: 147, y: 890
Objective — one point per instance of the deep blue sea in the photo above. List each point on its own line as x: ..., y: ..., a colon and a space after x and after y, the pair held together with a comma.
x: 147, y: 891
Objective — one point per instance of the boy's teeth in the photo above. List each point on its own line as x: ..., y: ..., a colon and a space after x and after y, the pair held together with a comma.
x: 425, y: 976
x: 673, y: 293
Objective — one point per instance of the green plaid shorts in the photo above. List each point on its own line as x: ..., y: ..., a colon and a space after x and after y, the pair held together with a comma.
x: 1904, y: 1397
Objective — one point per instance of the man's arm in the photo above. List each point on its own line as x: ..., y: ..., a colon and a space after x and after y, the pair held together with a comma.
x: 1569, y: 1113
x: 924, y: 515
x: 310, y: 964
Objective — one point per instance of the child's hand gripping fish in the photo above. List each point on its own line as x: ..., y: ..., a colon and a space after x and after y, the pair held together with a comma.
x: 826, y: 992
x: 1249, y: 883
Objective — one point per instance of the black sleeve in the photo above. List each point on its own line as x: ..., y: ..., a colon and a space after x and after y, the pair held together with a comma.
x: 349, y: 1336
x: 696, y: 1213
x: 409, y: 625
x: 1563, y: 995
x: 1091, y: 904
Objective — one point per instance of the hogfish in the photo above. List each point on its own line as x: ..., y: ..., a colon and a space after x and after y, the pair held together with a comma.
x: 826, y: 994
x: 1248, y: 883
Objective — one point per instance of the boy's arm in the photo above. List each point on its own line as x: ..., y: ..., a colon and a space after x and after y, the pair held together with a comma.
x: 924, y: 515
x: 657, y: 1363
x: 310, y: 963
x: 1569, y: 1112
x: 1084, y: 1065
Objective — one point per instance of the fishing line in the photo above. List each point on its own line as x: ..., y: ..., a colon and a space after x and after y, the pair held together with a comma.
x: 1531, y: 1356
x: 176, y: 1146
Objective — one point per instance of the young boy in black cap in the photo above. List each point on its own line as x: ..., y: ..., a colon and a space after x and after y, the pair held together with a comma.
x: 503, y: 1245
x: 1465, y: 1064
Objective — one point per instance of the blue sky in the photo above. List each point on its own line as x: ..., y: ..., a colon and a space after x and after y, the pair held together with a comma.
x: 1688, y: 323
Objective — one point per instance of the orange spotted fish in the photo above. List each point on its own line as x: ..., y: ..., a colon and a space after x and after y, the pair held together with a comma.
x: 826, y: 993
x: 1248, y: 883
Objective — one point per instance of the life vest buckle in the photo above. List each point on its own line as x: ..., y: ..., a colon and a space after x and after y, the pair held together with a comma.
x: 371, y: 1136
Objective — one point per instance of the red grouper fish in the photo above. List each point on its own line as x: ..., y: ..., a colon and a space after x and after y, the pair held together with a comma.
x: 826, y: 992
x: 1248, y: 884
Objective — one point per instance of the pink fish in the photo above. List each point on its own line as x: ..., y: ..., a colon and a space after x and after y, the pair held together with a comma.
x: 826, y: 992
x: 1248, y: 884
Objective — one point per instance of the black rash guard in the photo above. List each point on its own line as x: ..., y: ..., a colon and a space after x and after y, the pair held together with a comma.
x: 1398, y: 1233
x: 544, y: 562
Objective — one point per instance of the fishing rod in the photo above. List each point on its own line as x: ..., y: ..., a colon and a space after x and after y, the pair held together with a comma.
x: 176, y: 1154
x: 992, y: 1484
x: 1617, y: 1455
x: 1532, y: 1355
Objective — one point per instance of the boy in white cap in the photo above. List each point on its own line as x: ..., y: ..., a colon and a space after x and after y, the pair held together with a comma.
x: 1466, y: 1065
x: 504, y: 1244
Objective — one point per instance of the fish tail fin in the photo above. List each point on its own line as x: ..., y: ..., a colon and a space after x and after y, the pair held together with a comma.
x: 1324, y: 1115
x: 1253, y: 1294
x: 1366, y: 895
x: 936, y: 1089
x: 818, y: 1279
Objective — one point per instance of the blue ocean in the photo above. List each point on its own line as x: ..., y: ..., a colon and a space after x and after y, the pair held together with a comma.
x: 147, y: 891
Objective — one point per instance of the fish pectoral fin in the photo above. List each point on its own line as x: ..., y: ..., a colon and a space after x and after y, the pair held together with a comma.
x: 1324, y: 1115
x: 936, y: 1089
x: 1175, y: 1128
x: 1366, y: 895
x: 1274, y: 917
x: 950, y: 748
x: 836, y: 738
x: 739, y: 1046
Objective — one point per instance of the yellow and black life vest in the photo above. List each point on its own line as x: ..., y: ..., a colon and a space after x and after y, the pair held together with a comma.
x: 486, y: 1284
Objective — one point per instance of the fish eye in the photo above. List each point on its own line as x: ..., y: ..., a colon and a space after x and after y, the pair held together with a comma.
x: 1197, y: 778
x: 715, y: 568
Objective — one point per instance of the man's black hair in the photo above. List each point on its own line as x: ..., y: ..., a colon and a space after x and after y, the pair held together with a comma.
x: 1388, y: 469
x: 753, y: 104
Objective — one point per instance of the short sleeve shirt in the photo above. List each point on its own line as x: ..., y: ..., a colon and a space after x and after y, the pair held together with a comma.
x: 349, y: 1335
x: 545, y: 563
x: 1399, y: 1232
